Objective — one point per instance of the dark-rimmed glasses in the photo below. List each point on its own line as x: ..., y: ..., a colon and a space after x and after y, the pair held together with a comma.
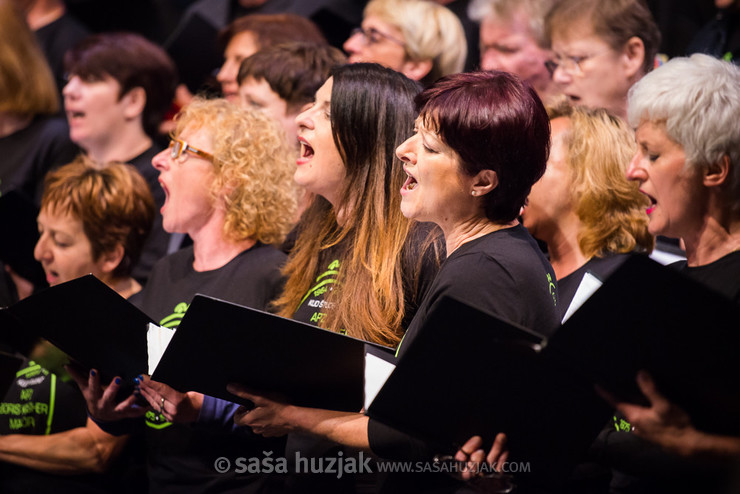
x: 177, y: 147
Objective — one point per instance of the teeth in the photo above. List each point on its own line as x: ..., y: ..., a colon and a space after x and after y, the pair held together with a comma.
x: 411, y: 186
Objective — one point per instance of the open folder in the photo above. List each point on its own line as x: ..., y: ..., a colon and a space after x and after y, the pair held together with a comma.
x: 469, y: 372
x: 91, y: 323
x: 219, y: 342
x: 648, y: 316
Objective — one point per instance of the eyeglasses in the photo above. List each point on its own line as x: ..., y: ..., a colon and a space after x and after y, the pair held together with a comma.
x: 177, y: 147
x: 570, y: 64
x: 372, y: 36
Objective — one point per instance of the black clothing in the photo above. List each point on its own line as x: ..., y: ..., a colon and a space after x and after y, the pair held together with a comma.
x: 157, y: 242
x: 28, y: 154
x: 722, y: 275
x: 181, y: 456
x: 601, y: 267
x: 55, y: 39
x: 420, y: 263
x: 720, y: 37
x: 642, y: 467
x: 504, y: 273
x: 40, y: 403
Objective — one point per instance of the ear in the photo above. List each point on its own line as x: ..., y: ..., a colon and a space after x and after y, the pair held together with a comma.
x: 110, y: 260
x: 416, y: 70
x: 633, y: 55
x: 134, y: 102
x: 484, y: 182
x: 716, y: 174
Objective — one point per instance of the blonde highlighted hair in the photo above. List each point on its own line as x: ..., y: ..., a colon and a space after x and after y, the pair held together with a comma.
x: 27, y: 86
x: 253, y: 166
x: 599, y: 147
x: 430, y: 32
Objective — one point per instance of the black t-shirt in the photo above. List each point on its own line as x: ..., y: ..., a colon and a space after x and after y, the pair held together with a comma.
x: 155, y: 246
x: 601, y: 267
x: 40, y: 403
x: 182, y: 456
x: 722, y: 275
x: 28, y: 154
x: 504, y: 273
x: 55, y: 39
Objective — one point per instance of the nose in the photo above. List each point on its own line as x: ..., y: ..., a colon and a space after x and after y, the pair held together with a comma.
x: 70, y: 89
x: 635, y: 170
x: 161, y: 160
x: 405, y: 151
x: 303, y: 120
x: 561, y: 76
x: 41, y: 251
x: 227, y: 73
x: 353, y: 44
x: 489, y: 60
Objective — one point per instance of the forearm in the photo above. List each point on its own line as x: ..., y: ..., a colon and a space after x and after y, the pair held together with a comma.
x: 82, y: 450
x: 706, y: 446
x: 345, y: 428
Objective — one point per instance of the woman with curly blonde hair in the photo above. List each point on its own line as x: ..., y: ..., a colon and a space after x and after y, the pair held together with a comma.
x: 227, y: 178
x: 583, y: 207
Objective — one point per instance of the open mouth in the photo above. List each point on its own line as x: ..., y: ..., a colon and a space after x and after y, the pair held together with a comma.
x: 306, y: 150
x: 653, y: 204
x: 410, y: 183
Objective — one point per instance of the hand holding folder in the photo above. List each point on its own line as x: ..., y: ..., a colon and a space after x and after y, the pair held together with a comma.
x: 218, y: 343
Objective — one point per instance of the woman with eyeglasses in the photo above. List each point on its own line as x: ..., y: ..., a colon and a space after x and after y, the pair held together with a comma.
x: 234, y: 220
x: 422, y: 40
x: 600, y: 49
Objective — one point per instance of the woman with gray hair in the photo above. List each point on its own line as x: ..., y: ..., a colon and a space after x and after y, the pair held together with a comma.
x: 688, y: 152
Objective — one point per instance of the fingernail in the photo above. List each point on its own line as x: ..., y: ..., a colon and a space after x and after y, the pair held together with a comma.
x: 141, y: 378
x: 136, y: 380
x: 93, y: 373
x: 118, y: 380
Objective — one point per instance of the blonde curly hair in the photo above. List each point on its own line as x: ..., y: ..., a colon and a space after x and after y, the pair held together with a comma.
x: 253, y: 167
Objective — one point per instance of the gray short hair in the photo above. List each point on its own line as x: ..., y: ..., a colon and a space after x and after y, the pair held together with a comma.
x: 698, y: 98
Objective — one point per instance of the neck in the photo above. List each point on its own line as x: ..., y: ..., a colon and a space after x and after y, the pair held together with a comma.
x: 562, y: 245
x: 212, y: 249
x: 465, y: 231
x: 121, y: 147
x: 43, y: 13
x: 125, y: 287
x: 10, y: 123
x: 714, y: 240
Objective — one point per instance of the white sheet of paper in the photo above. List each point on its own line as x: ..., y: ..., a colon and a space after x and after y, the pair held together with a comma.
x: 157, y: 339
x: 589, y: 284
x: 377, y: 371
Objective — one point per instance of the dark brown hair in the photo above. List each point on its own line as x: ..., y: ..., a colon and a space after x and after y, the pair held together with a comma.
x: 133, y: 62
x: 294, y: 71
